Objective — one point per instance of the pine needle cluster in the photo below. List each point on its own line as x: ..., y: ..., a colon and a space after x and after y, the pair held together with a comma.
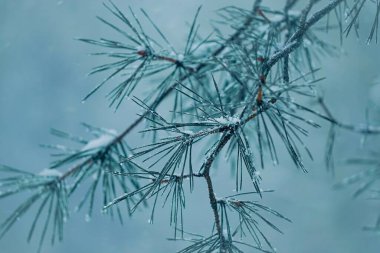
x: 244, y: 96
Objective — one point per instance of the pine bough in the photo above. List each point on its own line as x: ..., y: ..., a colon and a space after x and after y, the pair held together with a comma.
x: 234, y: 96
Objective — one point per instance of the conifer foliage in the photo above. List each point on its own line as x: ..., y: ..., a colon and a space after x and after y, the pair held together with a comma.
x: 244, y: 96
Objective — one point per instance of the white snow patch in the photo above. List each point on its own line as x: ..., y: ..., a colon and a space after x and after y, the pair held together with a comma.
x: 140, y: 48
x: 276, y: 88
x: 228, y: 120
x: 307, y: 43
x: 225, y: 232
x: 276, y: 18
x: 50, y: 173
x: 95, y: 176
x: 181, y: 57
x: 99, y: 142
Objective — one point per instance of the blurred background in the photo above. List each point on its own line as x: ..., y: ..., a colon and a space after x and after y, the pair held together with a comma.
x: 43, y: 79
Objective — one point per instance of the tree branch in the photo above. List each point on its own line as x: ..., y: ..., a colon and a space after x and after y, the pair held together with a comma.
x: 296, y: 39
x: 235, y: 36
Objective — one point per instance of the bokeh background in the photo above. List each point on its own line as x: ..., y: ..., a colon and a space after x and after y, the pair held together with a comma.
x: 43, y: 79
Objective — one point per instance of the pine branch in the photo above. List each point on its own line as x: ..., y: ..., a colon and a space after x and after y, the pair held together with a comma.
x: 255, y: 99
